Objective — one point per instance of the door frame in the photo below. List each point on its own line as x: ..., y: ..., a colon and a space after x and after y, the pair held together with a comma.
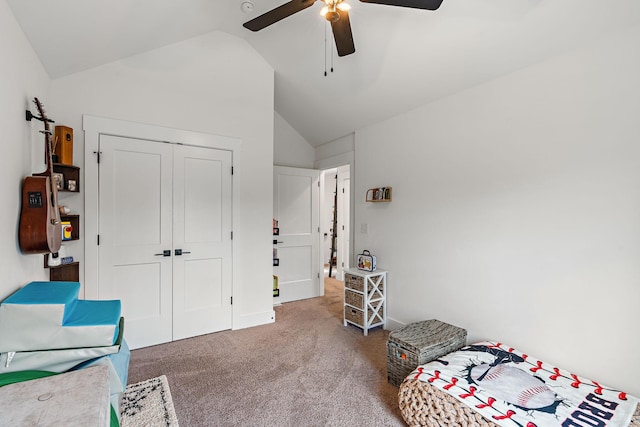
x: 343, y: 204
x: 331, y: 163
x: 326, y: 212
x: 93, y: 127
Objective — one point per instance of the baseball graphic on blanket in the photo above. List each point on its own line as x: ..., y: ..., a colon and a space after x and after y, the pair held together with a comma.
x: 513, y: 386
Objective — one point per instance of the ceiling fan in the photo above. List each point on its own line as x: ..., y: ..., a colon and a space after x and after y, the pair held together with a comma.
x: 337, y: 13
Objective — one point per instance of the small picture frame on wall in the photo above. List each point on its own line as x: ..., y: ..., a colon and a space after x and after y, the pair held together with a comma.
x: 71, y: 185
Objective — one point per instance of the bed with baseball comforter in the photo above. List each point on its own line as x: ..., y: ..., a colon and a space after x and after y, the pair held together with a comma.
x: 492, y: 384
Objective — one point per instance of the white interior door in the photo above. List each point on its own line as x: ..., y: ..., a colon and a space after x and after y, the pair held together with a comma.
x: 165, y: 237
x: 135, y: 227
x: 344, y: 219
x: 201, y: 241
x: 296, y: 207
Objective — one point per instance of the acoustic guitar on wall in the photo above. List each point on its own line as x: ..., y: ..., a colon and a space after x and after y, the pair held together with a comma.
x: 40, y: 229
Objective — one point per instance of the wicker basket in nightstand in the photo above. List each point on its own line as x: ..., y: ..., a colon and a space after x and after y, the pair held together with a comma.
x: 419, y: 343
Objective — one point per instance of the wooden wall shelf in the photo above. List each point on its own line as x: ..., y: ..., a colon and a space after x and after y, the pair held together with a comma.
x: 75, y: 225
x: 70, y: 172
x: 380, y: 194
x: 65, y: 273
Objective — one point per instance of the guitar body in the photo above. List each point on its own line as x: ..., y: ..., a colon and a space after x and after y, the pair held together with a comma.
x: 40, y: 228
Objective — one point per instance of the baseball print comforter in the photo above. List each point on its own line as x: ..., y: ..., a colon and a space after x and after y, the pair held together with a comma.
x: 513, y: 389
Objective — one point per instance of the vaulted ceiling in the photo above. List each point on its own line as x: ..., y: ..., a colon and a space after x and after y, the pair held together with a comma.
x: 404, y: 57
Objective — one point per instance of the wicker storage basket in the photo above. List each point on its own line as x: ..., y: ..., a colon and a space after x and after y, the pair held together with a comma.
x: 357, y: 316
x: 353, y: 298
x: 352, y: 281
x: 419, y: 343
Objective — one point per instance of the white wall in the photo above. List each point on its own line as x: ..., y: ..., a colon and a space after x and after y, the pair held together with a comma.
x: 22, y: 78
x: 338, y: 152
x: 335, y: 154
x: 516, y: 210
x: 216, y: 84
x: 290, y: 148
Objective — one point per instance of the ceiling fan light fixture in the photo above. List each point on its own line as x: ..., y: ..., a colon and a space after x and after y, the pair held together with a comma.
x: 330, y: 11
x: 332, y: 16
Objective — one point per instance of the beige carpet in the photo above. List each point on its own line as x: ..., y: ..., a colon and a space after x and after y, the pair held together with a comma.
x: 306, y: 369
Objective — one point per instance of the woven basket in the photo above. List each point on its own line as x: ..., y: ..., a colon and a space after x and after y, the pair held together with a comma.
x: 352, y: 281
x: 357, y: 316
x: 419, y: 343
x: 424, y: 405
x: 353, y: 298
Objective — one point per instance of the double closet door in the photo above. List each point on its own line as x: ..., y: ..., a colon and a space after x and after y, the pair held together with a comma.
x: 165, y: 237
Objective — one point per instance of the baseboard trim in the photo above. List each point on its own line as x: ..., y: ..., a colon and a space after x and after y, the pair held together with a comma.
x: 393, y: 324
x: 255, y: 319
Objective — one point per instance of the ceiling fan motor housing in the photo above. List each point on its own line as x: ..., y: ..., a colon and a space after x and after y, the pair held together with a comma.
x: 332, y: 16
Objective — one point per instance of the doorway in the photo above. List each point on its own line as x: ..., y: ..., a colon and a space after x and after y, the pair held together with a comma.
x: 311, y: 230
x: 336, y: 220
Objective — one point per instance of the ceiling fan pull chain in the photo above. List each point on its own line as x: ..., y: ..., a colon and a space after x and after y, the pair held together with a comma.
x: 332, y: 56
x: 325, y: 50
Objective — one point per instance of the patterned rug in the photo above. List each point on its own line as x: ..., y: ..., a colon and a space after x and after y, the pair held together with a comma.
x: 148, y: 403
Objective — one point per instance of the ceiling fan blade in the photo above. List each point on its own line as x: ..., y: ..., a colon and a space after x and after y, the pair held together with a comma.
x: 342, y: 34
x: 416, y: 4
x: 277, y: 14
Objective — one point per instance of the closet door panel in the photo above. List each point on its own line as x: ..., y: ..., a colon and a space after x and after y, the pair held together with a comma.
x: 135, y: 228
x: 202, y: 235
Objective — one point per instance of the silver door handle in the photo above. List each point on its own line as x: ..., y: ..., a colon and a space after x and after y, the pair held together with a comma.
x: 179, y: 252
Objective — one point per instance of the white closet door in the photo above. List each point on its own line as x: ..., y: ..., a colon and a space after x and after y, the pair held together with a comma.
x: 296, y: 207
x: 135, y: 227
x: 201, y: 241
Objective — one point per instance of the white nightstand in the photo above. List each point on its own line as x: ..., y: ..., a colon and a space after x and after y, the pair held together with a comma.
x: 365, y: 303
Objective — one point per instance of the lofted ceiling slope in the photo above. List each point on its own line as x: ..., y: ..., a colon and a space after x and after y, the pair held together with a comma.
x: 404, y: 57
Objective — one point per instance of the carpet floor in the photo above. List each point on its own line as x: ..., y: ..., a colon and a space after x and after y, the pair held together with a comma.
x: 306, y: 369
